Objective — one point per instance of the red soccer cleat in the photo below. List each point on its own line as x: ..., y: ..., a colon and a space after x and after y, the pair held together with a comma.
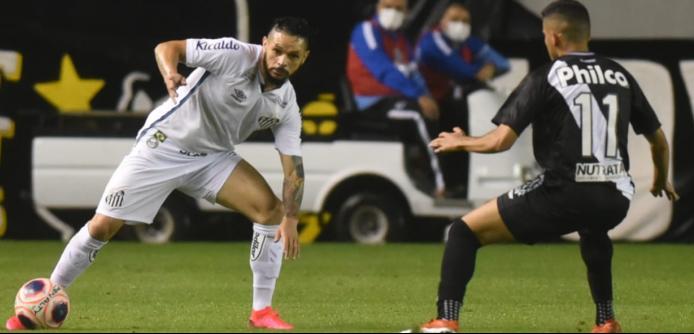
x: 268, y: 318
x: 439, y: 326
x: 14, y: 324
x: 610, y: 326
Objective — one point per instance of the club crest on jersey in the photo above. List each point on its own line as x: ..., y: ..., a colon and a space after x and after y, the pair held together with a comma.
x: 267, y: 122
x: 239, y: 95
x: 592, y: 74
x: 115, y: 199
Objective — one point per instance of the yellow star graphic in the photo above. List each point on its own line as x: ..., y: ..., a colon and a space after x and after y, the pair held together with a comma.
x: 70, y: 93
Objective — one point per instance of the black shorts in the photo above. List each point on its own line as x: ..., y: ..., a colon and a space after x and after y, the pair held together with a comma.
x: 536, y: 211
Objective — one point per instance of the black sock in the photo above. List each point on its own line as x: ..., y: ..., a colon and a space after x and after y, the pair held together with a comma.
x: 596, y: 250
x: 603, y: 312
x: 456, y: 270
x: 448, y: 309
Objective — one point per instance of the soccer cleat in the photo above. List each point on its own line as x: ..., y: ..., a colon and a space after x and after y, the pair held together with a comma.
x: 439, y: 326
x: 268, y: 318
x: 610, y: 326
x: 14, y: 324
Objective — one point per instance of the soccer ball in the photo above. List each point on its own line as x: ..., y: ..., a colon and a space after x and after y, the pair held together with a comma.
x: 41, y: 304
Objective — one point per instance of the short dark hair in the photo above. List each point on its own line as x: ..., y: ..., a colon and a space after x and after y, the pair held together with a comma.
x: 294, y: 26
x: 575, y: 14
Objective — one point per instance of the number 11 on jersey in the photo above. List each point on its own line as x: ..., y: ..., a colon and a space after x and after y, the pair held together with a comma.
x: 585, y: 103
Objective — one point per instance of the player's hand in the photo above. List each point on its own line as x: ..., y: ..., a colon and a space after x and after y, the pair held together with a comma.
x: 288, y: 233
x: 173, y: 81
x: 429, y: 107
x: 448, y: 141
x: 664, y: 187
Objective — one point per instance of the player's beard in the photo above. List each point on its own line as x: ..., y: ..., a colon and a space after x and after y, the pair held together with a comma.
x: 270, y: 78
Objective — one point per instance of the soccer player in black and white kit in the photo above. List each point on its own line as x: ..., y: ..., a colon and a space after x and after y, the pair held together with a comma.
x: 580, y: 106
x: 188, y: 142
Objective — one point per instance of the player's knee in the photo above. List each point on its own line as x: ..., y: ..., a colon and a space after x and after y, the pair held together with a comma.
x: 461, y: 232
x: 270, y: 213
x: 104, y: 228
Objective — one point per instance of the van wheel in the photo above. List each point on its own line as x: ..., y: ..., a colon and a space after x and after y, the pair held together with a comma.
x: 371, y: 219
x: 172, y: 222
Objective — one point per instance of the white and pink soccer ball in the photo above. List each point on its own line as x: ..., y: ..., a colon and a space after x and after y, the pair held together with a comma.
x: 41, y: 304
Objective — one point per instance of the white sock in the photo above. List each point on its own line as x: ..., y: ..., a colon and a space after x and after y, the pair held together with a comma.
x: 266, y: 263
x: 77, y: 256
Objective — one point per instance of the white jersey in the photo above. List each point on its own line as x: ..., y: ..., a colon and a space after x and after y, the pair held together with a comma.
x: 223, y: 103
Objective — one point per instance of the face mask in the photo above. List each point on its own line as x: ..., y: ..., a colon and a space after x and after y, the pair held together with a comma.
x: 391, y: 19
x: 457, y: 31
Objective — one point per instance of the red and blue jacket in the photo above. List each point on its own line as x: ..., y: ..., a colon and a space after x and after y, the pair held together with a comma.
x: 444, y: 64
x: 380, y: 64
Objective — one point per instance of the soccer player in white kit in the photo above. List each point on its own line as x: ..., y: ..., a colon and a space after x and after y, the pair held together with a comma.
x: 187, y: 143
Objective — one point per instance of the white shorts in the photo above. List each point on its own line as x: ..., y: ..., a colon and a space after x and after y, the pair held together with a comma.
x: 153, y: 169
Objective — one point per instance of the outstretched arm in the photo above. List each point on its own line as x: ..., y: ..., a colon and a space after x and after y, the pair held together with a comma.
x: 660, y: 152
x: 168, y: 55
x: 497, y: 140
x: 292, y: 194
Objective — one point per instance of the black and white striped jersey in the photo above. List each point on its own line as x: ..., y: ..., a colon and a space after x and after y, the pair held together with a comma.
x: 580, y: 107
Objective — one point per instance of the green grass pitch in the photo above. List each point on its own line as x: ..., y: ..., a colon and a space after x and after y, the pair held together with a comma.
x: 206, y: 287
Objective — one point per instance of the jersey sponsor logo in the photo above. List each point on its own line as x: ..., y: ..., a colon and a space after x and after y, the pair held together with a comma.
x: 599, y: 172
x: 115, y: 199
x: 267, y: 122
x: 157, y: 138
x: 257, y: 245
x: 222, y: 45
x: 239, y: 95
x: 192, y: 154
x: 591, y: 74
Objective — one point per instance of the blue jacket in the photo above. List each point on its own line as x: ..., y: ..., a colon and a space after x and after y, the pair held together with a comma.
x: 381, y: 63
x: 444, y: 63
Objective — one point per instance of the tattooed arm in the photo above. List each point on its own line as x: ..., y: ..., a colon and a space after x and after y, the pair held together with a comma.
x: 293, y: 189
x: 292, y: 194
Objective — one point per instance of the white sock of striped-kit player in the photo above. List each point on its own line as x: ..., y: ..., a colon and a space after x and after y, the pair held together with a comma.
x: 76, y: 258
x: 266, y: 263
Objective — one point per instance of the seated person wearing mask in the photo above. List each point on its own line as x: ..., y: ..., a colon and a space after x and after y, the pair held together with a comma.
x: 386, y: 83
x: 453, y: 63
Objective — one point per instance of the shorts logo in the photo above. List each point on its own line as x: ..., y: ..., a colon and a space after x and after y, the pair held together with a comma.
x: 239, y: 95
x: 157, y: 138
x: 527, y: 187
x: 257, y: 245
x: 267, y: 122
x: 115, y: 200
